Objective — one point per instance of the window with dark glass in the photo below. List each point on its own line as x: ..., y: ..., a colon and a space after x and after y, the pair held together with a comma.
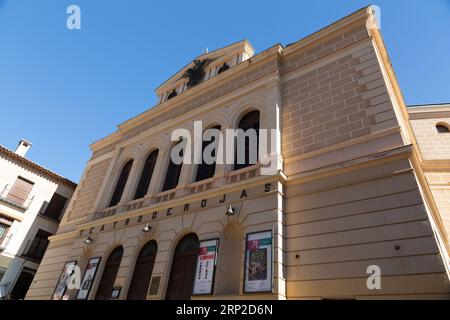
x: 146, y: 175
x: 19, y: 191
x: 249, y: 121
x: 173, y: 172
x: 441, y: 128
x: 55, y: 207
x: 204, y: 170
x: 223, y: 68
x: 121, y: 182
x: 172, y: 94
x: 36, y: 248
x: 3, y: 231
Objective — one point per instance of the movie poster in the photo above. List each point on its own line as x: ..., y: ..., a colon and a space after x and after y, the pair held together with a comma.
x: 206, y: 261
x: 258, y: 262
x: 61, y: 286
x: 88, y: 278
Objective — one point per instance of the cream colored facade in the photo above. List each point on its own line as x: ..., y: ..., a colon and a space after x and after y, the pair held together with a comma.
x: 20, y: 221
x: 351, y: 189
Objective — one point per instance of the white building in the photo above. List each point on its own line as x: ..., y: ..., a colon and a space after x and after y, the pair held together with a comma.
x: 32, y: 200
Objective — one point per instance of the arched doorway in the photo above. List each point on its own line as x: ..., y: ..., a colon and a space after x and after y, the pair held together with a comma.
x: 109, y: 274
x: 143, y: 271
x: 182, y: 274
x: 229, y: 267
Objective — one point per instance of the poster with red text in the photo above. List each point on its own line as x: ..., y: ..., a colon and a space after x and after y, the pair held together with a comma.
x: 206, y: 261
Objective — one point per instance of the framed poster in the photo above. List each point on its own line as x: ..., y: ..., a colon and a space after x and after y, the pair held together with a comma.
x: 206, y: 262
x: 115, y: 292
x: 61, y: 285
x: 258, y: 262
x: 154, y: 286
x: 88, y: 278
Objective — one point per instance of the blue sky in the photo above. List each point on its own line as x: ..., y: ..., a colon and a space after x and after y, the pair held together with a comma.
x: 63, y: 89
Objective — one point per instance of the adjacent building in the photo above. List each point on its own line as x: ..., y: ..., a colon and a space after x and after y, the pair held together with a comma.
x: 32, y: 202
x: 354, y: 205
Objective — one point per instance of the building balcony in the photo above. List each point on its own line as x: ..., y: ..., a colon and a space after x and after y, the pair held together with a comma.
x: 181, y: 191
x: 8, y: 198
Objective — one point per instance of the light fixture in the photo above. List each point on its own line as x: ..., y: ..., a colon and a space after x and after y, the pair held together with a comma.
x: 230, y: 211
x: 147, y: 227
x: 88, y: 240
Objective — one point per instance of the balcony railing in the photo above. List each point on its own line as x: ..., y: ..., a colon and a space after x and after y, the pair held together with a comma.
x: 23, y: 204
x: 195, y: 187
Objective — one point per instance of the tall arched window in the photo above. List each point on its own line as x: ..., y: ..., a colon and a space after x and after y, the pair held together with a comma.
x: 249, y: 121
x: 143, y: 271
x: 109, y: 274
x: 121, y: 182
x: 182, y: 274
x: 173, y: 172
x: 204, y: 170
x: 146, y: 175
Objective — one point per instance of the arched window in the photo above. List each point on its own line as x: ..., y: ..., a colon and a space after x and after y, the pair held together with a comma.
x: 106, y: 285
x: 173, y: 172
x: 172, y: 94
x: 146, y: 175
x: 442, y: 128
x: 247, y: 146
x: 143, y: 271
x: 182, y: 274
x: 204, y: 170
x: 223, y: 68
x: 121, y: 182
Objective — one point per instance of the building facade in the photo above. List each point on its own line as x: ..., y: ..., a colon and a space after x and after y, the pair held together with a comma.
x: 347, y: 195
x: 32, y: 201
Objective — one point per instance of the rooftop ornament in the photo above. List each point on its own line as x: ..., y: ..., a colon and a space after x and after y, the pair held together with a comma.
x: 196, y: 73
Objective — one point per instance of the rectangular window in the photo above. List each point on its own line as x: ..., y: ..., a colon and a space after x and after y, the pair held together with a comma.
x: 37, y: 247
x: 20, y: 191
x: 55, y: 207
x: 3, y: 231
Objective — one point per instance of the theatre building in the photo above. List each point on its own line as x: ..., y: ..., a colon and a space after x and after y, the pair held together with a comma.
x: 355, y: 205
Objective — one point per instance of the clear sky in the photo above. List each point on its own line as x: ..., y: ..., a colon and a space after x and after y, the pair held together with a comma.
x: 64, y: 89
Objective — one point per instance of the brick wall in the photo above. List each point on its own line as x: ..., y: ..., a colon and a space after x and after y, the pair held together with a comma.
x: 432, y: 144
x: 89, y: 189
x: 338, y: 99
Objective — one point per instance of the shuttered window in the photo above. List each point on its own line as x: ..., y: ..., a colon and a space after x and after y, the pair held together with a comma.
x: 37, y: 247
x: 20, y: 190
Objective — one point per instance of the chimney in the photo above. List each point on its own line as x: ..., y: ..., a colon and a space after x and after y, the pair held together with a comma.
x: 23, y: 147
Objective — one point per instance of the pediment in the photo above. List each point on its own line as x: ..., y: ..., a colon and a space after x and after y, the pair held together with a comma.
x: 204, y: 67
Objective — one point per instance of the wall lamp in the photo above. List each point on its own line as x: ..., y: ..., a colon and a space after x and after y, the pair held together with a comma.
x: 88, y: 240
x: 147, y: 227
x: 230, y: 211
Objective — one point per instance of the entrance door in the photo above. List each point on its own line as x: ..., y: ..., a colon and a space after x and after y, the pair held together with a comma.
x: 105, y: 288
x: 143, y: 272
x: 22, y: 285
x: 182, y: 275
